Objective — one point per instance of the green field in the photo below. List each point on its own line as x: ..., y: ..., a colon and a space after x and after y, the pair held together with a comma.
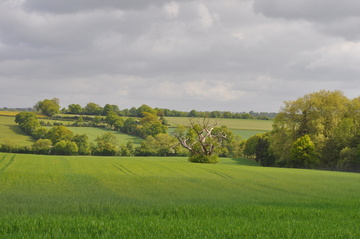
x: 10, y: 133
x: 245, y: 124
x: 93, y: 133
x: 139, y: 197
x: 242, y: 127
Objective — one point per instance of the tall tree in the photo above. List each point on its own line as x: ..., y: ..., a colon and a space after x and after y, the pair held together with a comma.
x: 48, y: 107
x: 202, y: 144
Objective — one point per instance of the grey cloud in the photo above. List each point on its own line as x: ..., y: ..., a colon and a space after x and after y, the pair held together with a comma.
x: 174, y: 56
x: 314, y: 10
x: 337, y: 18
x: 70, y: 6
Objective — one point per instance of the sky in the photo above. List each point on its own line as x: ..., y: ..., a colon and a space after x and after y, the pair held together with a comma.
x: 228, y: 55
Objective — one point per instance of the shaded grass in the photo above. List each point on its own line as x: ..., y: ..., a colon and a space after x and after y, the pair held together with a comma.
x: 11, y: 133
x: 139, y: 197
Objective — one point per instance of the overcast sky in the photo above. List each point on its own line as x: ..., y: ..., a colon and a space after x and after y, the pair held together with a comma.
x: 236, y: 55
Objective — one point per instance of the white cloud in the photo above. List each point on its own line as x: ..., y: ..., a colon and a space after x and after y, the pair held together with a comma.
x: 207, y: 18
x: 171, y: 9
x: 342, y: 56
x: 215, y: 90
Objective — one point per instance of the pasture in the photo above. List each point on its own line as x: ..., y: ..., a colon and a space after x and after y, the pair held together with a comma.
x: 93, y: 133
x: 10, y: 133
x: 148, y: 197
x: 243, y: 124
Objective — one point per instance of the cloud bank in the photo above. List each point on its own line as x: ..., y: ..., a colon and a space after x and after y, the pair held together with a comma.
x: 204, y: 55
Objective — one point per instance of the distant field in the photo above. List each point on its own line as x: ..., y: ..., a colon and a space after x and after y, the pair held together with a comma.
x: 10, y: 133
x: 245, y: 124
x: 93, y: 133
x: 13, y: 113
x: 242, y: 127
x: 149, y: 197
x: 245, y: 134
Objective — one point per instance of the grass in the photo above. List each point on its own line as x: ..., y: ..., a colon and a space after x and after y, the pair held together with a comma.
x: 14, y: 113
x: 245, y: 134
x: 93, y: 133
x: 136, y: 197
x: 10, y: 133
x: 247, y: 124
x: 242, y: 127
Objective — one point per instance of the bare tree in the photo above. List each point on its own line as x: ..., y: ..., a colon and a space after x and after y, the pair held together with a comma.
x: 201, y: 140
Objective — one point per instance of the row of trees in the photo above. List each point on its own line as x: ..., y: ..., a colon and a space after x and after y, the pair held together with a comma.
x: 51, y: 107
x: 202, y: 141
x: 318, y: 130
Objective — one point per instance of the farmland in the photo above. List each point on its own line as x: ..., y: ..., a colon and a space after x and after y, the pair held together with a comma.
x: 244, y: 124
x: 10, y: 133
x: 135, y: 197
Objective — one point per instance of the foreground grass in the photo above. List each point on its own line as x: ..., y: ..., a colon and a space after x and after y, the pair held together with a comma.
x: 103, y: 197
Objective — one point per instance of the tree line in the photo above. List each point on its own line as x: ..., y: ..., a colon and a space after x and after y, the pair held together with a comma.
x: 319, y: 130
x: 51, y: 107
x: 201, y: 147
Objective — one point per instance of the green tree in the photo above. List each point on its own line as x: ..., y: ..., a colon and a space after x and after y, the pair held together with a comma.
x: 66, y: 147
x: 40, y: 133
x: 159, y: 145
x: 75, y: 109
x: 145, y: 108
x: 151, y: 125
x: 48, y: 107
x: 110, y: 108
x: 112, y: 118
x: 130, y: 126
x: 42, y: 146
x: 59, y: 133
x: 106, y: 145
x: 92, y: 109
x: 320, y: 115
x: 27, y: 121
x: 128, y: 149
x: 303, y: 153
x: 82, y: 141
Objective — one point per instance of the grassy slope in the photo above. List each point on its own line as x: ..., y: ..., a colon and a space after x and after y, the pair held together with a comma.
x: 93, y: 133
x: 10, y: 133
x: 242, y: 127
x: 261, y: 125
x: 73, y: 197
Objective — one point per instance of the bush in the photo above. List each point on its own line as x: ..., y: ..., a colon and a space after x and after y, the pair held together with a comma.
x: 198, y: 158
x: 66, y: 147
x: 42, y: 146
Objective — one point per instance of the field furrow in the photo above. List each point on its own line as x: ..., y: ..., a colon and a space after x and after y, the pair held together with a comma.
x: 6, y: 161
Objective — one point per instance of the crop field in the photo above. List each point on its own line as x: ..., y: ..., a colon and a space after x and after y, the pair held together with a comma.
x: 10, y: 133
x: 245, y: 124
x: 13, y: 113
x: 148, y: 197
